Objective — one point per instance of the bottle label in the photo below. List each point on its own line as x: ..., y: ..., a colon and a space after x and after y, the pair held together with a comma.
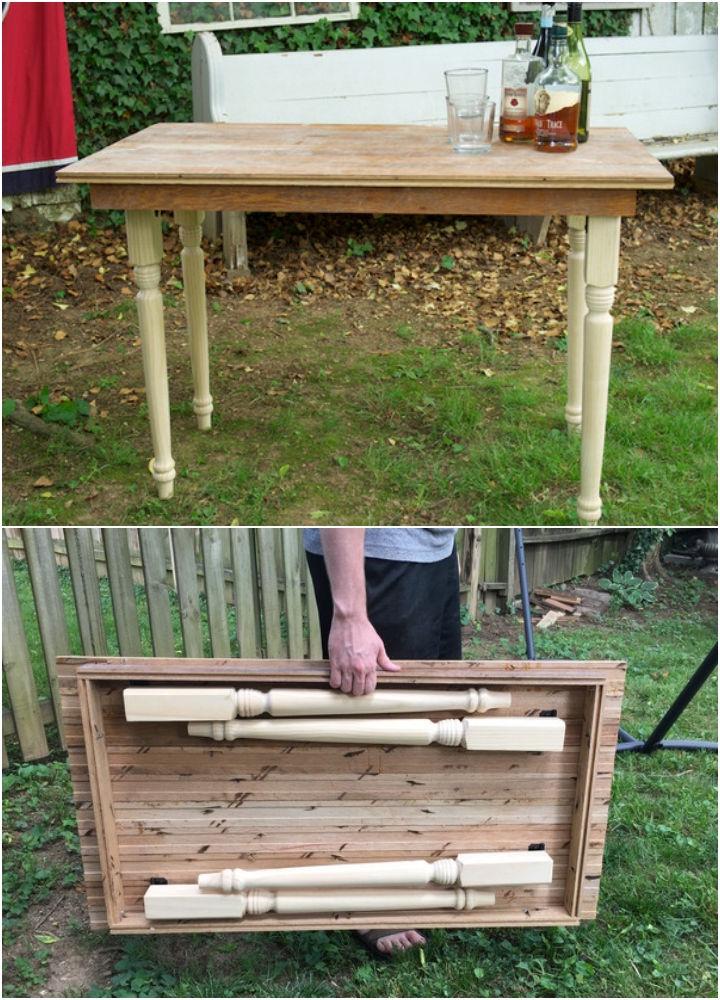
x: 556, y: 117
x: 515, y: 103
x: 550, y: 102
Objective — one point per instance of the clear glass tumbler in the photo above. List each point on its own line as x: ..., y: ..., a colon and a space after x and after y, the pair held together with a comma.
x: 466, y: 83
x: 470, y: 125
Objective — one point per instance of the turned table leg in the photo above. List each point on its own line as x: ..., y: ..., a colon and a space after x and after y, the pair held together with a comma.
x: 144, y: 234
x: 576, y: 321
x: 193, y: 266
x: 601, y: 273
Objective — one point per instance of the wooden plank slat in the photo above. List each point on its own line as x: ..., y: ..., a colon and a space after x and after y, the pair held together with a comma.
x: 18, y: 670
x: 291, y: 547
x: 104, y: 819
x: 476, y: 541
x: 83, y: 574
x: 186, y: 578
x: 266, y: 540
x: 315, y: 650
x: 49, y: 607
x: 369, y: 200
x: 212, y: 552
x: 122, y: 591
x: 155, y: 569
x: 242, y: 552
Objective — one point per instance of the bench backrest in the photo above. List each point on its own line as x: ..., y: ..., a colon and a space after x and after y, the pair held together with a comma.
x: 654, y: 86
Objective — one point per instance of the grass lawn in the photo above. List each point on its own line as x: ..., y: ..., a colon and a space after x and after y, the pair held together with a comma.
x: 655, y: 934
x: 324, y: 429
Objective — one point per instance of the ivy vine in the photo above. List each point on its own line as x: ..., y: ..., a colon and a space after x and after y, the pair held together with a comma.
x: 127, y: 75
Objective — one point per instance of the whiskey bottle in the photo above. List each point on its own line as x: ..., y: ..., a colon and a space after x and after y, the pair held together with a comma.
x: 557, y: 99
x: 542, y: 45
x: 578, y: 62
x: 517, y: 122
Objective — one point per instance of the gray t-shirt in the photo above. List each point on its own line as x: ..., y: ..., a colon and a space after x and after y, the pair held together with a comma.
x: 421, y: 545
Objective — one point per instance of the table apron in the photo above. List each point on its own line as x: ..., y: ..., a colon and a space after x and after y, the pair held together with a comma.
x: 370, y: 200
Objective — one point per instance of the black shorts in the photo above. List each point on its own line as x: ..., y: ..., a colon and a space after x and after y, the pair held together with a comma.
x: 414, y: 607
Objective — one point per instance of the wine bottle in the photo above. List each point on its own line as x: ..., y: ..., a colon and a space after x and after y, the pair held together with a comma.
x: 517, y: 123
x: 580, y: 64
x: 542, y: 45
x: 557, y: 99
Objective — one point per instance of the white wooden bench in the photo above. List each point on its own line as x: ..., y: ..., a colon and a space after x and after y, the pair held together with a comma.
x: 663, y: 89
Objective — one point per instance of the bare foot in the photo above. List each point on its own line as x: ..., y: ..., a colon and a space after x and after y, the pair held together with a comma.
x: 398, y: 941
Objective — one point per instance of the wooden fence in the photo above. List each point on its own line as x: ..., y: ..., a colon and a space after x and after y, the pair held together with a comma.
x: 206, y: 592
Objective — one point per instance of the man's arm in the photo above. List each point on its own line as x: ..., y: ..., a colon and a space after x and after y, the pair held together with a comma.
x: 356, y: 650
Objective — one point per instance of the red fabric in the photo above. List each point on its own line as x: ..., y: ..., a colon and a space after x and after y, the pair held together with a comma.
x: 37, y: 110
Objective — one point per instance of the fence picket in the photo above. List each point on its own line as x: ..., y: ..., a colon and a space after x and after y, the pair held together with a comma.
x: 122, y: 590
x: 267, y: 557
x: 52, y: 625
x: 83, y: 574
x: 315, y: 650
x: 17, y: 667
x: 293, y: 594
x: 186, y: 581
x: 475, y: 563
x: 212, y: 554
x: 155, y: 570
x: 242, y: 550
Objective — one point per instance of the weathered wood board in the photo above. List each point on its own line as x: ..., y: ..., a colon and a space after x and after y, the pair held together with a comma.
x: 153, y: 802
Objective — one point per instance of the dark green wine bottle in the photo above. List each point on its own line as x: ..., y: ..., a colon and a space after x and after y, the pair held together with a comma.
x: 580, y: 64
x: 542, y: 46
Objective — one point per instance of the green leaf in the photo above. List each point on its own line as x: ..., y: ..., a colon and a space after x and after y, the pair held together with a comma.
x: 447, y: 262
x: 8, y: 407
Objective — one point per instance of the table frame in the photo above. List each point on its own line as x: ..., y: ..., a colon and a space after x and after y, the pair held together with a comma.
x: 593, y: 262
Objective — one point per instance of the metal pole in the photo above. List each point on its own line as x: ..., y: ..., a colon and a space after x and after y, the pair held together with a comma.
x: 524, y: 595
x: 680, y: 704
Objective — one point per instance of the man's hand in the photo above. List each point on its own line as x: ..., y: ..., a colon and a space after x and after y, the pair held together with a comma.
x: 356, y: 653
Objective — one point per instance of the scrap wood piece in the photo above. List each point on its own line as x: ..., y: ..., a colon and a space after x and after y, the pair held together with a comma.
x: 557, y: 595
x: 549, y: 619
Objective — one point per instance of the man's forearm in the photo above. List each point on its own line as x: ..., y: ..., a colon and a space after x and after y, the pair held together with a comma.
x: 344, y: 553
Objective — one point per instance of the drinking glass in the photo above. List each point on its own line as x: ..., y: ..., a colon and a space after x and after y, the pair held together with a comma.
x: 470, y: 124
x: 466, y: 83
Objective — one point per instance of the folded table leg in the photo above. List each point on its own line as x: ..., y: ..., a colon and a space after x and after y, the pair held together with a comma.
x: 601, y: 273
x: 145, y: 247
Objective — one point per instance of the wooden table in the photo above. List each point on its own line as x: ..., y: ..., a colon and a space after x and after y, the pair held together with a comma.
x: 153, y: 802
x: 190, y: 168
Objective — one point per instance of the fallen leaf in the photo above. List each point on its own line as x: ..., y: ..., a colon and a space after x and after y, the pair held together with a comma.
x: 60, y: 334
x: 61, y: 305
x: 43, y: 481
x: 689, y: 309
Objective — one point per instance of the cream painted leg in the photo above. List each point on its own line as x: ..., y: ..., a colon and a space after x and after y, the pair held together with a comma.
x: 601, y: 273
x: 576, y: 321
x: 193, y: 265
x: 145, y: 249
x: 235, y: 248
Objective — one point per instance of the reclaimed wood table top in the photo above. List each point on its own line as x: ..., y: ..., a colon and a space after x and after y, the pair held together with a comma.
x: 363, y: 155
